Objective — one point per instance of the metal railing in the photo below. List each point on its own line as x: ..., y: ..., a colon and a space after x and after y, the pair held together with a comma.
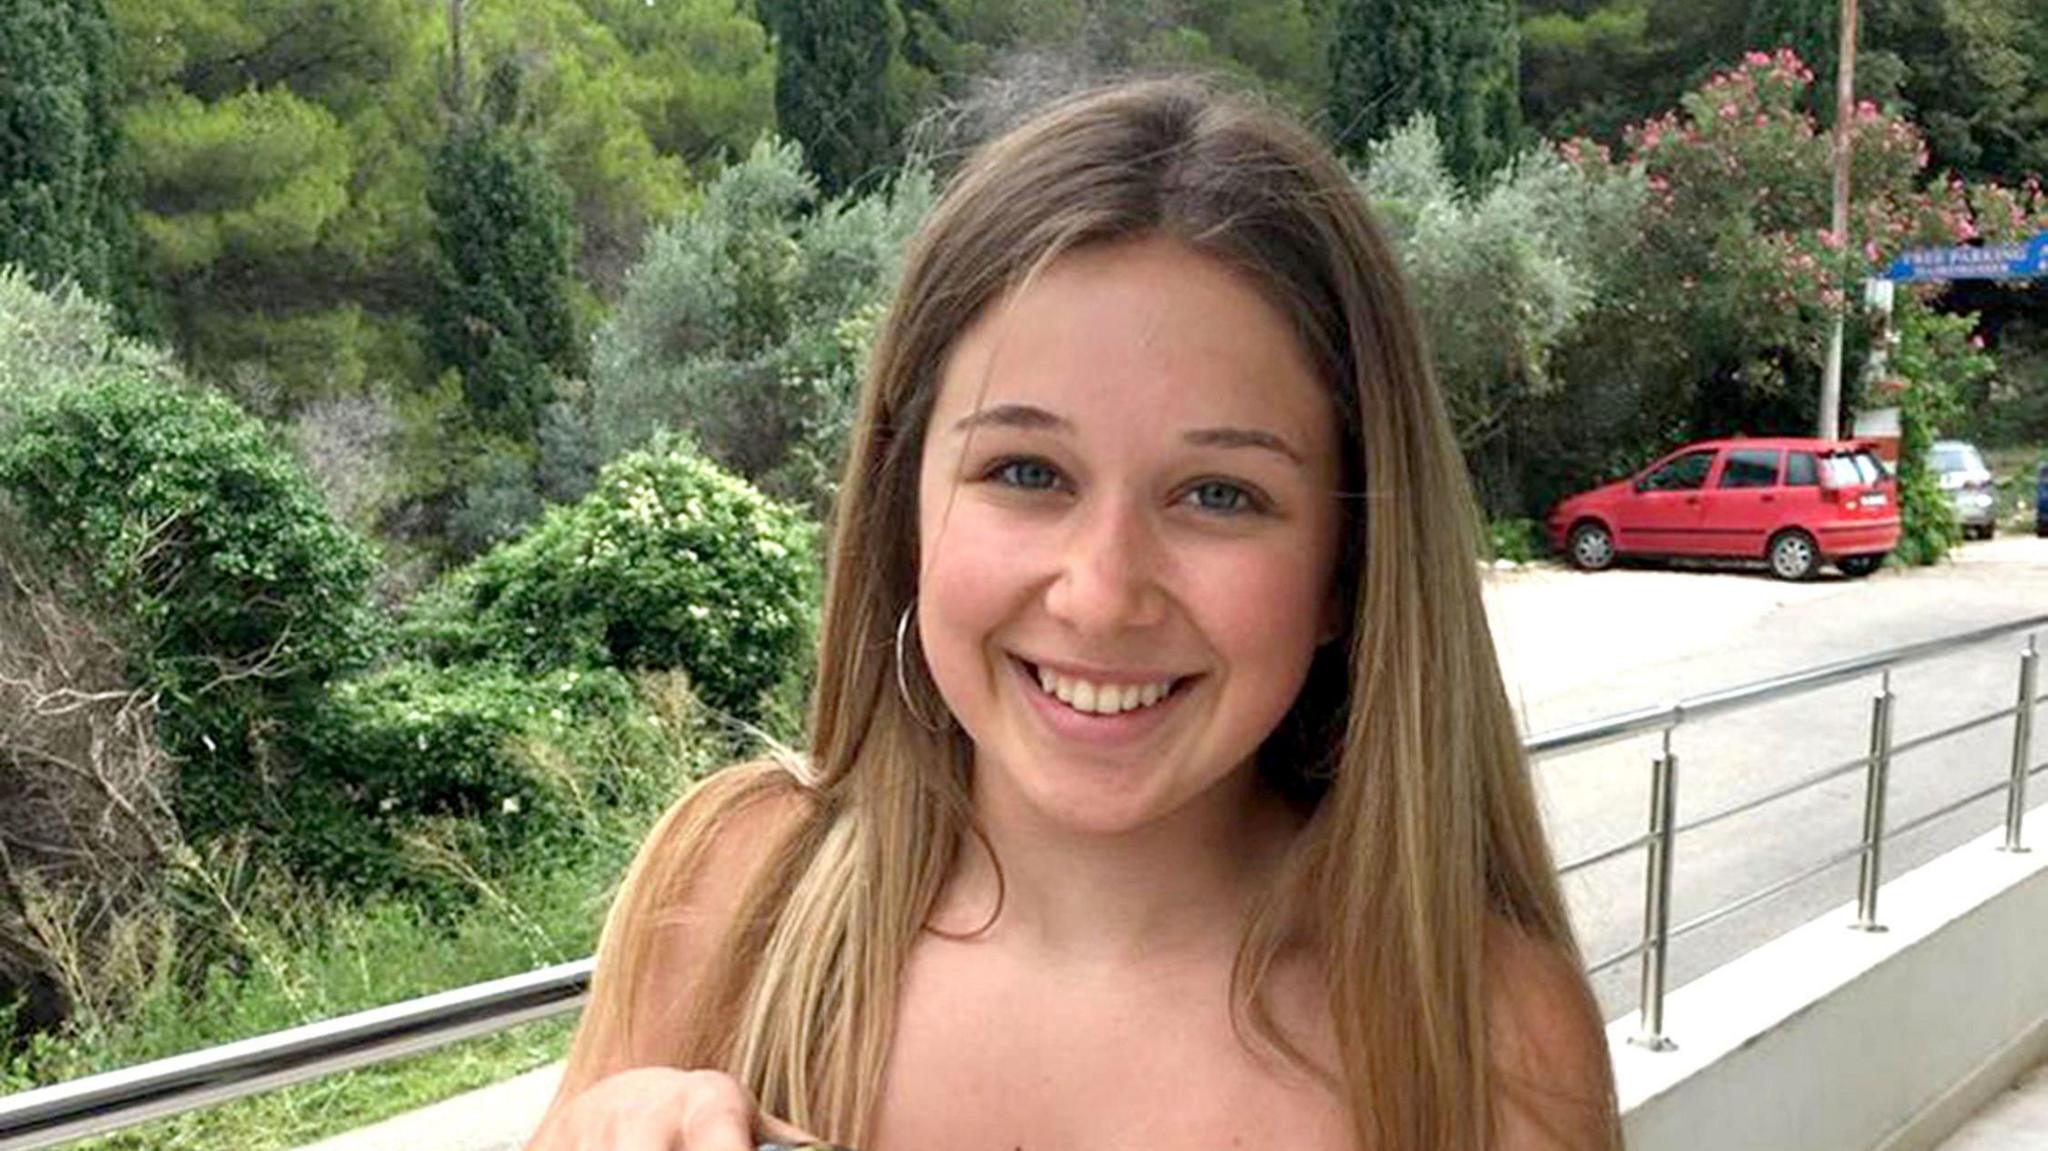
x: 1659, y: 840
x: 49, y: 1116
x: 97, y: 1104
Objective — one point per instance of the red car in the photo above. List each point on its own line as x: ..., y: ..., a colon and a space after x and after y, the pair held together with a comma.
x: 1793, y: 503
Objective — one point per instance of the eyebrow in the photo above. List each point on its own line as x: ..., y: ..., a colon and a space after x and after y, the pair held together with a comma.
x: 1022, y: 416
x: 1029, y: 418
x: 1243, y: 438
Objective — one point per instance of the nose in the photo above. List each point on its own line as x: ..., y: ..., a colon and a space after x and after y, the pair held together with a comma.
x: 1108, y: 578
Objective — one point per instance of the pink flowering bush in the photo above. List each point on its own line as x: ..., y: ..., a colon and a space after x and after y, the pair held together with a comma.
x: 1737, y: 267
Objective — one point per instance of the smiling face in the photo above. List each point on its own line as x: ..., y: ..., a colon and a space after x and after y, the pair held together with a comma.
x: 1128, y: 535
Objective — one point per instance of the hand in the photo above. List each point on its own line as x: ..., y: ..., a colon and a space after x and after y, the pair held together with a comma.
x: 664, y: 1109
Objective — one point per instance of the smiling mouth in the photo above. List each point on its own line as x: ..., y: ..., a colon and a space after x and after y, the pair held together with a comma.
x: 1094, y: 698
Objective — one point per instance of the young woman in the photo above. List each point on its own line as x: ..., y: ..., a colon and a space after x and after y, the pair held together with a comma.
x: 1162, y: 790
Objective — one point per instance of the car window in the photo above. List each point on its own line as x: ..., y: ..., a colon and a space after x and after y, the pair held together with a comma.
x: 1684, y: 474
x: 1800, y: 471
x: 1840, y: 472
x: 1947, y: 458
x: 1750, y: 468
x: 1868, y: 468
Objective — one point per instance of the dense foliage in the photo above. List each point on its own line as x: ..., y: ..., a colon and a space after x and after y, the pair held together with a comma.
x: 62, y: 212
x: 1453, y: 60
x: 832, y: 61
x: 1935, y: 361
x: 748, y: 325
x: 390, y: 766
x: 1505, y: 274
x: 207, y: 548
x: 670, y: 563
x: 502, y: 315
x: 58, y: 339
x: 1972, y: 73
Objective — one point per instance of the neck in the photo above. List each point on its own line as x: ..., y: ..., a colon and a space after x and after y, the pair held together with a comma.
x: 1171, y: 892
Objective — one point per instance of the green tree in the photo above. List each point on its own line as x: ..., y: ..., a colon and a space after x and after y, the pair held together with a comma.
x: 832, y: 63
x: 1456, y: 60
x: 502, y: 315
x: 280, y: 154
x: 704, y: 78
x: 1974, y: 74
x: 1810, y: 28
x: 749, y: 322
x: 60, y: 210
x: 669, y: 563
x: 1503, y: 276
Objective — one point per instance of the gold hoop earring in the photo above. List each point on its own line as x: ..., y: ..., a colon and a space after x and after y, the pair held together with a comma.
x: 902, y: 678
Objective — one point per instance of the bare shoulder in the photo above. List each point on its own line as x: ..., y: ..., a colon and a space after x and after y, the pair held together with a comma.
x: 673, y: 911
x: 740, y: 831
x: 1549, y: 1050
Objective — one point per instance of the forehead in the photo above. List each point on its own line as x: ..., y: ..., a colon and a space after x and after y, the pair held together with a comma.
x: 1147, y: 327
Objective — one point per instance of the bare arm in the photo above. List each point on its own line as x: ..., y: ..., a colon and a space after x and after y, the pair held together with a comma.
x: 1553, y: 1082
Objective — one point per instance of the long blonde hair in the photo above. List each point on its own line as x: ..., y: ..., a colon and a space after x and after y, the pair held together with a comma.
x: 1402, y: 742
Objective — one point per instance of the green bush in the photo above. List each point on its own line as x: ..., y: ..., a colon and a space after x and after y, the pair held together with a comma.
x: 1939, y: 365
x: 669, y: 563
x: 1519, y: 540
x: 207, y: 550
x: 412, y: 749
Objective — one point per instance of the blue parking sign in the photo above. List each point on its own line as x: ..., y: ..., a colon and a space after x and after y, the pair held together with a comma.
x: 2017, y: 261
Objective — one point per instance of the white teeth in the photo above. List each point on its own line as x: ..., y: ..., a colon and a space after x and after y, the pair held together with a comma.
x: 1101, y: 698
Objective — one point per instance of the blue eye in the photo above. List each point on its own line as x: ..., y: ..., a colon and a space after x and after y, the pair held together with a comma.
x: 1029, y: 475
x: 1224, y: 497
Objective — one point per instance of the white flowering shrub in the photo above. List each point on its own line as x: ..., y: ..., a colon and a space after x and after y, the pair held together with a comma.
x: 669, y: 563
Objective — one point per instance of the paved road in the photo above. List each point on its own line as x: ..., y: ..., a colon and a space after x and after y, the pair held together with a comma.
x: 1577, y: 646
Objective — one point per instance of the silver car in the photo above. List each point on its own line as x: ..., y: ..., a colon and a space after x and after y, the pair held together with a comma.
x: 1967, y: 484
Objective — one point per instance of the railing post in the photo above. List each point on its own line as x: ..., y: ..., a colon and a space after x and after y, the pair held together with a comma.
x: 2022, y: 747
x: 1873, y: 808
x: 1657, y: 898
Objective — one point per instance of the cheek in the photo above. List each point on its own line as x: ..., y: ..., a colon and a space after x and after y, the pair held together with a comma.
x: 971, y: 579
x: 1265, y: 610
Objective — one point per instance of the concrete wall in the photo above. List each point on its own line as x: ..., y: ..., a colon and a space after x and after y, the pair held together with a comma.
x: 1834, y: 1039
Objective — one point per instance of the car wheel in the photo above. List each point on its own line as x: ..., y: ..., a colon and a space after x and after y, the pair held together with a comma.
x: 1591, y: 547
x: 1793, y: 556
x: 1856, y: 567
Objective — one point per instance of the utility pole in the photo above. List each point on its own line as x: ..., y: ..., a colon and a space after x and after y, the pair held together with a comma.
x: 1845, y: 108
